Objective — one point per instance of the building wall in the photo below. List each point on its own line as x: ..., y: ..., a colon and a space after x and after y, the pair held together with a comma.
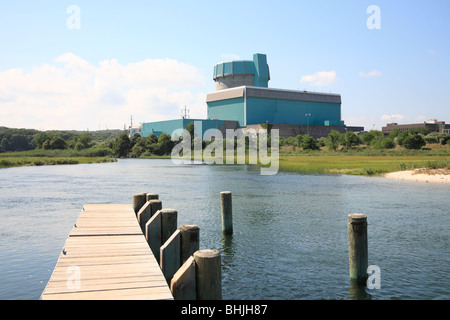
x: 434, y: 127
x: 176, y: 126
x: 229, y: 109
x: 290, y: 130
x: 261, y: 110
x: 234, y: 81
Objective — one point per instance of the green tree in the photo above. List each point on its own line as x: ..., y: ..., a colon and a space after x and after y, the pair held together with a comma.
x: 350, y: 139
x: 309, y: 143
x: 299, y: 140
x: 153, y: 138
x: 84, y: 140
x: 334, y: 139
x: 388, y: 143
x: 122, y: 145
x: 165, y: 144
x: 40, y: 138
x: 401, y: 137
x: 371, y: 136
x: 414, y: 141
x: 191, y: 129
x: 57, y: 143
x: 134, y: 139
x: 394, y: 133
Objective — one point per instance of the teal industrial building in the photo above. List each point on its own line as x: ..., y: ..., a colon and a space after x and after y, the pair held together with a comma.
x: 243, y: 100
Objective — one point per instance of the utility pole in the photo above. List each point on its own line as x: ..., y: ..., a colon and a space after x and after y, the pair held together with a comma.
x: 307, y: 115
x: 184, y: 113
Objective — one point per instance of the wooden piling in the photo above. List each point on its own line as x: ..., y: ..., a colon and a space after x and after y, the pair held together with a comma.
x: 357, y: 248
x: 155, y: 205
x: 208, y: 275
x: 227, y: 212
x: 139, y: 200
x: 182, y: 285
x: 170, y: 256
x: 168, y: 223
x: 143, y: 215
x: 190, y: 235
x: 152, y: 196
x: 153, y: 234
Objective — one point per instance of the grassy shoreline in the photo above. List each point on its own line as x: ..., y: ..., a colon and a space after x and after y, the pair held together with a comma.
x: 365, y: 162
x: 359, y: 165
x: 9, y: 162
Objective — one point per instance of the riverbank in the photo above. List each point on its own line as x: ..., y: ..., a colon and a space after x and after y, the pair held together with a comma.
x: 9, y: 162
x: 360, y: 164
x: 353, y: 162
x: 422, y: 175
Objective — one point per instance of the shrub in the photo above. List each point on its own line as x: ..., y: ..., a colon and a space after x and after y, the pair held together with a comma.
x: 350, y: 139
x: 309, y: 143
x: 387, y: 143
x: 414, y: 142
x: 334, y: 138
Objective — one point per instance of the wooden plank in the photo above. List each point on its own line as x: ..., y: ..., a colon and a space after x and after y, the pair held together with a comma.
x: 106, y: 256
x: 107, y: 284
x: 151, y: 293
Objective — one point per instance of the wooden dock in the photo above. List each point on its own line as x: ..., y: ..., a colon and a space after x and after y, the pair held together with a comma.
x: 106, y: 257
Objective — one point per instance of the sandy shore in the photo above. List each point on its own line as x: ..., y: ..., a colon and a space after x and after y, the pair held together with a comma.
x: 423, y: 175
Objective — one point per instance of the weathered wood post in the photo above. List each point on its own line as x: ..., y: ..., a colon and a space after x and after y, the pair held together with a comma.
x: 168, y: 223
x: 153, y: 234
x: 170, y: 256
x: 208, y: 275
x: 144, y: 214
x: 152, y: 196
x: 357, y: 248
x: 182, y: 285
x: 227, y: 212
x: 155, y: 205
x: 139, y: 200
x: 189, y: 242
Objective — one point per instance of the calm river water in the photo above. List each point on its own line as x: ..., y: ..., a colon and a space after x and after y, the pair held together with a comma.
x: 290, y: 230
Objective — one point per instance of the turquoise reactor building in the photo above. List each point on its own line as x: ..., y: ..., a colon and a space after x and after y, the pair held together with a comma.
x: 243, y: 99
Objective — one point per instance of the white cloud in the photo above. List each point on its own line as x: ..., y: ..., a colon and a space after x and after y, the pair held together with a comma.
x: 320, y: 79
x: 74, y: 94
x: 392, y: 118
x: 373, y: 73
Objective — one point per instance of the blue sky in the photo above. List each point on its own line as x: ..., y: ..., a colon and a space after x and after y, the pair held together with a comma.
x: 150, y: 58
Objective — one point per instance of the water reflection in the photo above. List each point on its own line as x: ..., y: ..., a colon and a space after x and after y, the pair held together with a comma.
x: 227, y: 245
x: 358, y: 292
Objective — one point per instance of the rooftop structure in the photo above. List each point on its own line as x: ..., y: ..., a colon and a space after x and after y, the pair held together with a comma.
x: 432, y: 125
x: 242, y: 73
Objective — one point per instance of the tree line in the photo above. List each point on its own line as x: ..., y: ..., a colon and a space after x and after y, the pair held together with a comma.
x: 413, y: 139
x: 14, y: 140
x: 117, y: 143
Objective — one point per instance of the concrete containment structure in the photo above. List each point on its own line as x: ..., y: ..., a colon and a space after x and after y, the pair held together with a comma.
x: 243, y: 100
x: 242, y: 73
x: 242, y: 94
